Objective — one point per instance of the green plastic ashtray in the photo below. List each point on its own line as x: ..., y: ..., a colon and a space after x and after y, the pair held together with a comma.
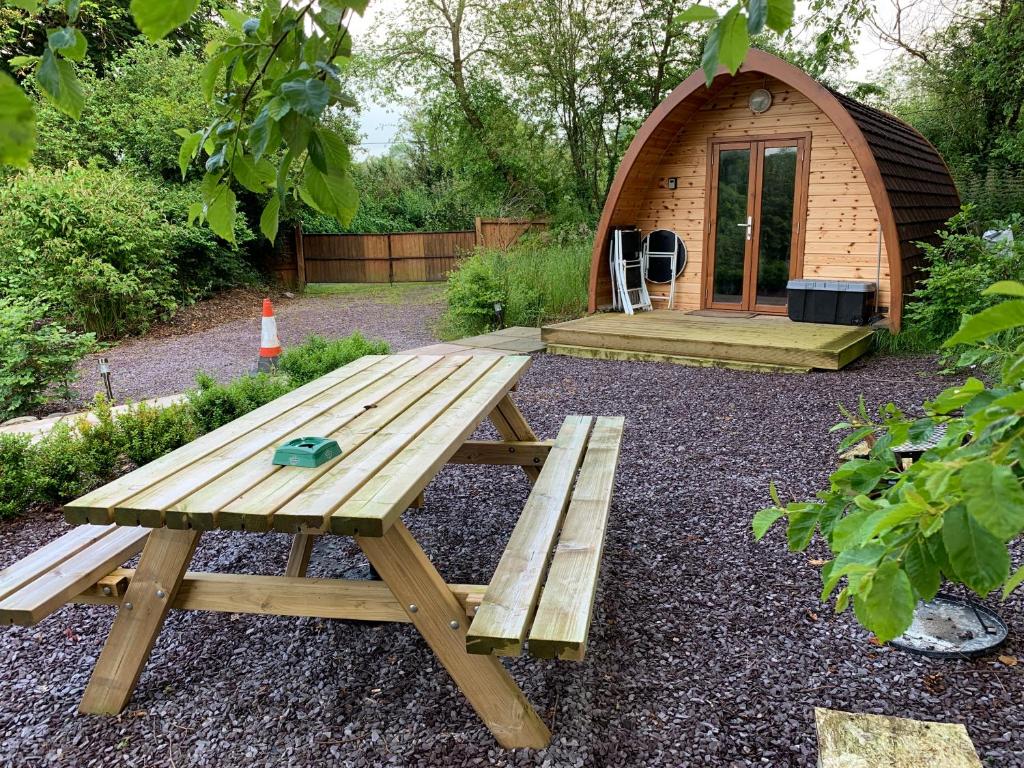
x: 306, y: 452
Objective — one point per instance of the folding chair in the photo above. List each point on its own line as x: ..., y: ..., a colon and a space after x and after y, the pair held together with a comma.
x: 664, y: 257
x: 629, y: 290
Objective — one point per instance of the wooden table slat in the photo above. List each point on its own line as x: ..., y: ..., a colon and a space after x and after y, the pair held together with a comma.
x: 383, y: 498
x: 147, y: 508
x: 97, y: 506
x: 312, y: 508
x: 202, y: 508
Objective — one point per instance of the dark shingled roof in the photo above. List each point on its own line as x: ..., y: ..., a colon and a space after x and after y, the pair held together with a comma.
x: 921, y: 191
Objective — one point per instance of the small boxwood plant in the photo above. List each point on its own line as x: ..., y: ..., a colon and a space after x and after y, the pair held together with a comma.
x: 896, y: 534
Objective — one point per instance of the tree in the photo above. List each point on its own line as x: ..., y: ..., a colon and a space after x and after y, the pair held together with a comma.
x: 270, y: 83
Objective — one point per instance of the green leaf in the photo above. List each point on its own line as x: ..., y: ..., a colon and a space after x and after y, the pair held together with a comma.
x: 709, y: 59
x: 67, y: 41
x: 978, y: 557
x: 331, y: 194
x: 17, y: 124
x: 220, y: 213
x: 696, y: 13
x: 307, y: 97
x: 922, y: 570
x: 780, y: 15
x: 234, y: 17
x: 188, y: 150
x: 1006, y: 288
x: 802, y: 525
x: 296, y: 131
x: 734, y: 41
x: 269, y: 218
x: 765, y: 519
x: 954, y: 398
x: 1001, y: 317
x: 851, y: 562
x: 71, y: 9
x: 208, y: 77
x: 26, y: 5
x: 994, y: 497
x: 254, y: 176
x: 1013, y: 582
x: 757, y: 12
x: 157, y: 18
x: 59, y: 83
x: 259, y: 133
x: 887, y: 609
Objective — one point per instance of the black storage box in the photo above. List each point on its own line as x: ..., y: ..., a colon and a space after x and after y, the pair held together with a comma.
x: 837, y: 302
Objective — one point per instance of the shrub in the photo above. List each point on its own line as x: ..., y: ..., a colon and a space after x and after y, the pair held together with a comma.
x: 106, y: 250
x: 17, y: 474
x: 537, y: 281
x: 213, y: 404
x: 318, y: 356
x: 70, y: 462
x: 36, y: 355
x: 959, y: 269
x: 898, y: 532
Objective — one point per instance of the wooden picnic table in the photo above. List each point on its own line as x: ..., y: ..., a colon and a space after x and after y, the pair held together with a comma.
x: 398, y: 419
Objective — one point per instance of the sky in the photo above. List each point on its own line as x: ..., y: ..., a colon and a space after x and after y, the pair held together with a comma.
x: 381, y: 122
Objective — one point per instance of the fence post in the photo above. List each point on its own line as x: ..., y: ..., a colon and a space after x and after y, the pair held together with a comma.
x: 391, y: 263
x: 479, y: 232
x: 300, y: 259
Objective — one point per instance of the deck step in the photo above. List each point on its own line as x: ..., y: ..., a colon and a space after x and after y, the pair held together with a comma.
x: 670, y: 336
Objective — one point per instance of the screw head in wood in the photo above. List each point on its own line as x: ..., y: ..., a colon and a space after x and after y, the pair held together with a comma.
x: 453, y: 624
x: 108, y: 591
x: 128, y: 606
x: 161, y: 594
x: 413, y: 608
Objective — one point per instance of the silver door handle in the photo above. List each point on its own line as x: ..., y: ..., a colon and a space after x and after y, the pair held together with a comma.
x: 749, y: 223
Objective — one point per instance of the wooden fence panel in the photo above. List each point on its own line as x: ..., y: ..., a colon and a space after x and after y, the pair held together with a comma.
x: 504, y: 233
x: 346, y: 258
x: 398, y: 257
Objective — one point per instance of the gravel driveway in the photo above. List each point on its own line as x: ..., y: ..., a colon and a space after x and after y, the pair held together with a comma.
x: 707, y: 648
x: 155, y: 365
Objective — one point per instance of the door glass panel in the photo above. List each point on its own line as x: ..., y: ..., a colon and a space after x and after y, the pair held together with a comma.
x: 778, y: 189
x: 730, y: 237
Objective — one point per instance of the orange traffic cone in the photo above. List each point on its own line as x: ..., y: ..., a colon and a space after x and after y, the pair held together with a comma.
x: 270, y: 347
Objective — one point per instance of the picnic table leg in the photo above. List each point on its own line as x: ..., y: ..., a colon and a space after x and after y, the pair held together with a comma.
x: 298, y: 557
x: 437, y: 615
x: 139, y: 618
x: 511, y: 425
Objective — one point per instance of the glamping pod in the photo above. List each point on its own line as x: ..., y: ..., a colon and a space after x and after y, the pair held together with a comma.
x: 768, y: 177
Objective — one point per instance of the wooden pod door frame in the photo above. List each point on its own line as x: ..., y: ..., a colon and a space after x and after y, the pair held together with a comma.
x: 911, y: 189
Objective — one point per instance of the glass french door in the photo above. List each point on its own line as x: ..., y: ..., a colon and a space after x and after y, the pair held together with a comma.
x: 756, y: 193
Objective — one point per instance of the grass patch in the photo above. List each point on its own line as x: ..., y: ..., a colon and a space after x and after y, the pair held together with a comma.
x: 394, y: 293
x: 69, y: 462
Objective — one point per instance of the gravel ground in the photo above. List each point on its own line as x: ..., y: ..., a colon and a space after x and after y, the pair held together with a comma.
x: 706, y: 649
x: 160, y: 364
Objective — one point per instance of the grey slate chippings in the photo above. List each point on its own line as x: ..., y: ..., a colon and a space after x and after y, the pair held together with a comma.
x: 708, y: 649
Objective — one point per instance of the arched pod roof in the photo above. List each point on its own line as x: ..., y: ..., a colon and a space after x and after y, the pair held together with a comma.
x: 911, y: 188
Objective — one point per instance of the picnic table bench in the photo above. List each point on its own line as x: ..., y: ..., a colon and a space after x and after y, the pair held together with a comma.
x: 398, y: 419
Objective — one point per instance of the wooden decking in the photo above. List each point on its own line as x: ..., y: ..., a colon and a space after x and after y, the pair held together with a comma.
x: 758, y: 343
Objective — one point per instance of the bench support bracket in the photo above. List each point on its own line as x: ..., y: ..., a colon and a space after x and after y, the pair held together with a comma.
x: 511, y: 425
x: 441, y: 620
x: 164, y: 559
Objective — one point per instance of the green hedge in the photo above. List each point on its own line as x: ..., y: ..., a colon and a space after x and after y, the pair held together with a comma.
x: 70, y: 462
